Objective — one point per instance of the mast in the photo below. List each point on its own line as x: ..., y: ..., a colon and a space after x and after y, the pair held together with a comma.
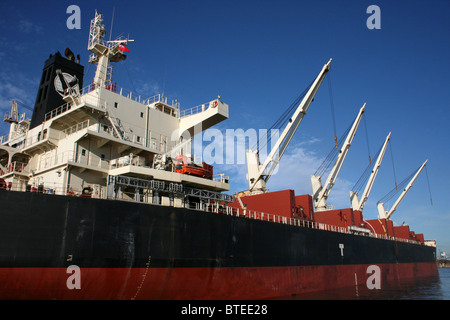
x: 104, y: 52
x: 356, y: 203
x: 256, y: 176
x: 320, y: 194
x: 382, y: 213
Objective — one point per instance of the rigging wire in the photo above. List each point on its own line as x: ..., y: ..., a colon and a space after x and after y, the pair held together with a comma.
x: 88, y: 69
x: 428, y: 182
x: 398, y: 188
x: 401, y: 186
x: 332, y: 155
x: 365, y: 176
x: 281, y: 121
x: 24, y: 105
x: 332, y: 109
x: 367, y: 138
x: 112, y: 23
x: 393, y: 166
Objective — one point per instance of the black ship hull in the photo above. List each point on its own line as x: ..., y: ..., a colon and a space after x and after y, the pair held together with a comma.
x: 62, y: 247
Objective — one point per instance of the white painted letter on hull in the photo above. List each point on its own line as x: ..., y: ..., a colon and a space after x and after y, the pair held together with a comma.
x: 74, y: 280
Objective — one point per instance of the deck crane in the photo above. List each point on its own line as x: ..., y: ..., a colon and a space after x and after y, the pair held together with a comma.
x: 321, y: 193
x: 257, y: 175
x: 359, y: 204
x: 382, y: 213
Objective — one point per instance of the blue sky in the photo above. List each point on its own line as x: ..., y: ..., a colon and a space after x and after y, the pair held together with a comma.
x: 259, y: 56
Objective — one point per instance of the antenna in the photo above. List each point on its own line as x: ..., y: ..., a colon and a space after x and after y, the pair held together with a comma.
x: 112, y: 23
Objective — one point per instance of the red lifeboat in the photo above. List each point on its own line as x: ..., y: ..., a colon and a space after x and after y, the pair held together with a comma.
x: 185, y: 165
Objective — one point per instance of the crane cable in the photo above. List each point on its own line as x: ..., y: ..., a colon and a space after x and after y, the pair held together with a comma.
x: 428, y: 182
x: 393, y: 166
x: 332, y: 109
x: 367, y: 138
x: 332, y: 155
x: 397, y: 190
x: 365, y: 175
x: 281, y: 121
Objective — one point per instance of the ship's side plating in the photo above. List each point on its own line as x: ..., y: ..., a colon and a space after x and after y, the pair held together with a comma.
x: 79, y: 248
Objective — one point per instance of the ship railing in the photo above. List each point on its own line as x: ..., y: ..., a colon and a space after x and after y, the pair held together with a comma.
x: 77, y: 127
x: 89, y: 159
x: 195, y: 110
x: 56, y: 112
x: 99, y: 103
x: 54, y: 188
x: 386, y: 237
x: 301, y: 223
x: 15, y: 139
x: 10, y: 117
x: 15, y: 167
x: 128, y: 160
x: 221, y: 177
x: 163, y: 99
x: 4, y: 138
x: 83, y: 157
x: 53, y: 134
x: 113, y: 87
x: 264, y: 216
x: 86, y: 100
x: 45, y: 135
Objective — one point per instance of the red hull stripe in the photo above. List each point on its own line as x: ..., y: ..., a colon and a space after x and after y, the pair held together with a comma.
x: 194, y: 283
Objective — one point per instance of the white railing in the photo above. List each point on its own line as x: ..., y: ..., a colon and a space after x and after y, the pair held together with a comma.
x: 4, y: 138
x: 113, y: 87
x: 44, y: 135
x: 120, y: 91
x: 161, y: 98
x: 263, y: 216
x: 16, y: 167
x: 90, y: 159
x: 195, y: 110
x: 77, y: 127
x: 56, y: 188
x: 221, y: 178
x: 61, y: 109
x: 85, y: 158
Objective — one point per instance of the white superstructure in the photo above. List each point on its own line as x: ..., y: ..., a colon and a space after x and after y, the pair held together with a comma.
x: 103, y: 130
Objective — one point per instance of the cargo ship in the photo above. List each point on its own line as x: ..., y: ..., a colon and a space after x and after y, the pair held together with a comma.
x: 101, y: 199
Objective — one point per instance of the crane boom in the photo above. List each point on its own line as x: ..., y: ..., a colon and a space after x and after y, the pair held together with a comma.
x: 320, y: 194
x: 382, y: 213
x: 256, y: 176
x: 359, y: 204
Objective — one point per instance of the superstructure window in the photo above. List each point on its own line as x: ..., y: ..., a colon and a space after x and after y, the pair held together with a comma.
x: 116, y: 105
